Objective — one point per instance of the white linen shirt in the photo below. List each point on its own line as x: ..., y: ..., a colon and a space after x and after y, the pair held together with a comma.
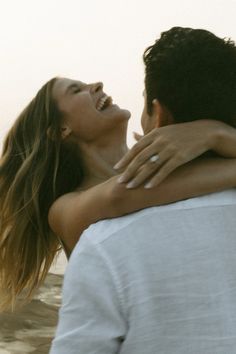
x: 159, y: 281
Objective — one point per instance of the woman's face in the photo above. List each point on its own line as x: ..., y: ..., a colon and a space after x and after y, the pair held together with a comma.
x: 88, y: 112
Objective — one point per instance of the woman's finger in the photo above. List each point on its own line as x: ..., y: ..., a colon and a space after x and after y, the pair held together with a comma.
x: 143, y: 175
x: 143, y: 158
x: 139, y: 146
x: 137, y: 136
x: 162, y: 173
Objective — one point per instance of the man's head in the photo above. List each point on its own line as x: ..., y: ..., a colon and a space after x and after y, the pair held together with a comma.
x: 192, y: 74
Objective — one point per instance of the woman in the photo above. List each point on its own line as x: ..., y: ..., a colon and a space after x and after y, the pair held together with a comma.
x: 57, y: 176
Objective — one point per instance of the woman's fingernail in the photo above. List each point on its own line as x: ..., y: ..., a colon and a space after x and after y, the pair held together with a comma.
x: 121, y: 179
x: 148, y: 185
x: 117, y: 166
x: 130, y: 185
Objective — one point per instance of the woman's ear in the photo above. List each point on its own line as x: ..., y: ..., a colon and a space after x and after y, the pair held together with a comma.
x: 161, y: 114
x: 65, y: 131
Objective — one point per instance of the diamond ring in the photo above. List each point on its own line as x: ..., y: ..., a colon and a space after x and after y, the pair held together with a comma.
x: 154, y: 158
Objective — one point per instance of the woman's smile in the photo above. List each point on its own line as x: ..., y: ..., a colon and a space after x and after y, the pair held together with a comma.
x: 104, y: 102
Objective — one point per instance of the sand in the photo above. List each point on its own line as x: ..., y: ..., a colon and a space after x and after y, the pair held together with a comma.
x: 32, y: 328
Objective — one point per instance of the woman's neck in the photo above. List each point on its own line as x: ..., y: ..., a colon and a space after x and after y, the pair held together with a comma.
x: 99, y: 162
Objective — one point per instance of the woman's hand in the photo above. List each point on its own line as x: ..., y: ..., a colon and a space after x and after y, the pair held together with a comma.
x: 160, y: 152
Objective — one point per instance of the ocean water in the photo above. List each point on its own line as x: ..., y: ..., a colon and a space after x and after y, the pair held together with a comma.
x: 59, y: 265
x: 31, y: 328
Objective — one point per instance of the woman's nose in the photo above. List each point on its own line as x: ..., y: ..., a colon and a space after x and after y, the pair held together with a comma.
x: 97, y: 86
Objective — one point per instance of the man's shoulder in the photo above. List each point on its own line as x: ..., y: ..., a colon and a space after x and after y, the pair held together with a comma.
x: 102, y: 230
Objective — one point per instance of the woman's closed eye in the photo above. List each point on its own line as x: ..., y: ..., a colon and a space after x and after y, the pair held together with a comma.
x: 77, y: 90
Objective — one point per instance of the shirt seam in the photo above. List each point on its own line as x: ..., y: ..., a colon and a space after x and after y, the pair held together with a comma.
x: 143, y: 216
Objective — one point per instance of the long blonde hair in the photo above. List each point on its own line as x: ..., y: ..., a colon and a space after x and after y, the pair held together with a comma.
x: 36, y: 167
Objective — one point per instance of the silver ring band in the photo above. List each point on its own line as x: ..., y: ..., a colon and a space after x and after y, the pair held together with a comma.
x: 154, y: 158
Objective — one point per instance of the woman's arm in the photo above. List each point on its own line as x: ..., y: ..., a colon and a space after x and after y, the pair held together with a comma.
x: 73, y: 213
x: 201, y: 176
x: 175, y: 145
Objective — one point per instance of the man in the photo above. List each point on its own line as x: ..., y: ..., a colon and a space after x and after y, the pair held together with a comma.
x: 163, y: 280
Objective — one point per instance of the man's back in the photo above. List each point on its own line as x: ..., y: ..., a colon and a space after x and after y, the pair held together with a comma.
x: 162, y: 280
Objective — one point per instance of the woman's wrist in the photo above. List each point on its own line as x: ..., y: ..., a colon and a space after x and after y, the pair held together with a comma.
x: 223, y: 139
x: 215, y: 132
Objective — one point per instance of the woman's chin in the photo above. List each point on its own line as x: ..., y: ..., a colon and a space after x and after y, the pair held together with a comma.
x: 127, y: 113
x: 114, y: 111
x: 124, y: 114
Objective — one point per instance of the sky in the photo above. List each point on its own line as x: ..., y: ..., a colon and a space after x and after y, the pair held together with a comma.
x: 92, y: 40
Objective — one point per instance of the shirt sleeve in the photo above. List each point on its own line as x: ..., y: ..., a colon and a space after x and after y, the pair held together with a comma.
x: 91, y: 319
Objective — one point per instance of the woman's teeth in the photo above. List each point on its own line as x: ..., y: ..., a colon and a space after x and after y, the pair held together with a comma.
x: 104, y: 102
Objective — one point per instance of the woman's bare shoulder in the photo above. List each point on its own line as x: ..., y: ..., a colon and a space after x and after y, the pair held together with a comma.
x: 61, y: 204
x: 62, y: 218
x: 73, y: 212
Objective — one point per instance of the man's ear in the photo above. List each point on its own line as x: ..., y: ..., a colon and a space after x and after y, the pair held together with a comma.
x: 161, y: 114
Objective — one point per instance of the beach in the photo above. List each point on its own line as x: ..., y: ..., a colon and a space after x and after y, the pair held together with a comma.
x: 32, y: 328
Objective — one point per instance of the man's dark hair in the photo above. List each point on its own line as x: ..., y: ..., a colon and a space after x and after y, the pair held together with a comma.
x: 193, y: 73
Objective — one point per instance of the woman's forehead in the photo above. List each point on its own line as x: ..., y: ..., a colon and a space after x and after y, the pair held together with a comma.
x: 62, y: 86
